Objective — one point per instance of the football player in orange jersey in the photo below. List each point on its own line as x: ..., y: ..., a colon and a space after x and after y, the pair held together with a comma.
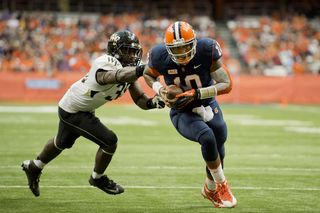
x: 194, y: 64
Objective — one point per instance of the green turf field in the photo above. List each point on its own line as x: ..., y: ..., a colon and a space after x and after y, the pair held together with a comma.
x: 272, y: 162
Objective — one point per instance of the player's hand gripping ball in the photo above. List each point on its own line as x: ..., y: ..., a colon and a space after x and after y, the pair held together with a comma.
x: 171, y: 92
x: 180, y: 96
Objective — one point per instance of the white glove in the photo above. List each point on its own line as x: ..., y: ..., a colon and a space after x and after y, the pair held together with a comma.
x: 156, y: 102
x: 204, y: 112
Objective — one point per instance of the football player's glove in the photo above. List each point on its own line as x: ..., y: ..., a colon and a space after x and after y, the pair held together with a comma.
x: 186, y: 97
x: 155, y: 102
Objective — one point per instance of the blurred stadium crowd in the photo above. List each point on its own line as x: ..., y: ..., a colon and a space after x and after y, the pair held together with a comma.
x: 44, y: 42
x: 290, y: 44
x: 40, y: 42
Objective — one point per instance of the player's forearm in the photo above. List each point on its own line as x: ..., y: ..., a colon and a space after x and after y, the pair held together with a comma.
x: 148, y: 77
x: 223, y: 84
x: 125, y: 75
x: 142, y: 101
x: 129, y: 74
x: 149, y: 80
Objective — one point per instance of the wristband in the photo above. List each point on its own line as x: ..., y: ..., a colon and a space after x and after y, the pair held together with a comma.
x: 208, y: 92
x: 156, y: 86
x: 139, y: 70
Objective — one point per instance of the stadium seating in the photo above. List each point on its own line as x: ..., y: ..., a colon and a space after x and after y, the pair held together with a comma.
x: 60, y: 42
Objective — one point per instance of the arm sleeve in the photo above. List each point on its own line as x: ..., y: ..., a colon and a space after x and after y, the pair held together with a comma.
x: 223, y: 79
x: 223, y: 84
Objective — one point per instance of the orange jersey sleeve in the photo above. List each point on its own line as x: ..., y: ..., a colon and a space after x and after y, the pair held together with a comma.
x: 154, y: 72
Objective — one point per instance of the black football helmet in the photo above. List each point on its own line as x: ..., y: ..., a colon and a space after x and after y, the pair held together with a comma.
x: 124, y: 46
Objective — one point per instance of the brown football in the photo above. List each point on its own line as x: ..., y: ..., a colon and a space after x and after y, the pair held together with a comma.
x: 173, y: 90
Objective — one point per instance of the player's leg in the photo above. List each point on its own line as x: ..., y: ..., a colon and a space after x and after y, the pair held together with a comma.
x: 34, y: 167
x: 90, y: 127
x: 219, y: 128
x: 103, y: 158
x: 215, y: 165
x: 98, y: 177
x: 50, y: 151
x: 192, y: 127
x: 215, y: 175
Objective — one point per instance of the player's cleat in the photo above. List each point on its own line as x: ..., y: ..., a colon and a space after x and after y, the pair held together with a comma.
x: 227, y: 198
x: 106, y: 185
x: 213, y: 196
x: 33, y: 174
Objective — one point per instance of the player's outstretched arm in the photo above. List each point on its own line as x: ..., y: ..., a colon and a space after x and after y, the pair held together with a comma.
x: 124, y: 75
x: 142, y: 100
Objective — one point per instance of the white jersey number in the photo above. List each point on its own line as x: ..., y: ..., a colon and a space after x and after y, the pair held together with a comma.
x: 188, y: 79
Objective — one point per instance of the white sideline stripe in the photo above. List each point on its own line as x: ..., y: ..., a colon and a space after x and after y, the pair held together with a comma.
x: 303, y: 129
x: 29, y: 109
x: 171, y: 187
x: 181, y: 168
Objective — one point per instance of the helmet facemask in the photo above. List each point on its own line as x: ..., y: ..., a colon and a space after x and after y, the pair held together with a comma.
x: 129, y: 54
x: 125, y: 47
x: 176, y: 57
x: 180, y: 41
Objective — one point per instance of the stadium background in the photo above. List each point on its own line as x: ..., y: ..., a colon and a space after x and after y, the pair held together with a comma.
x: 270, y: 47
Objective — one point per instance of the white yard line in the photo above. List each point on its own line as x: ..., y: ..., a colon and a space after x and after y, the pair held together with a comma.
x: 173, y: 187
x: 29, y: 109
x: 179, y: 168
x: 181, y: 187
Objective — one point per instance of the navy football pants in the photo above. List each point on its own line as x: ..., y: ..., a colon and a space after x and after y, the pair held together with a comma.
x: 210, y: 135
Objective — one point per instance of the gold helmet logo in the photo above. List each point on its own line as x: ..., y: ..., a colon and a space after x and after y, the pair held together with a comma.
x: 114, y: 38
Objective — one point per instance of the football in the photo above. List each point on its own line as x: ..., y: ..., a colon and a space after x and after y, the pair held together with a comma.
x: 173, y: 90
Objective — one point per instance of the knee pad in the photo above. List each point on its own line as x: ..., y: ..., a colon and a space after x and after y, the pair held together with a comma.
x: 209, y: 146
x: 112, y: 138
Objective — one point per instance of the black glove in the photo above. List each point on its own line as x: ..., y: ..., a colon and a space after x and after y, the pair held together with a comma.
x: 155, y: 102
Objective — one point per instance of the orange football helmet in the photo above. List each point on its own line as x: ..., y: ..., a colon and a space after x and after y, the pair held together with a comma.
x: 181, y: 42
